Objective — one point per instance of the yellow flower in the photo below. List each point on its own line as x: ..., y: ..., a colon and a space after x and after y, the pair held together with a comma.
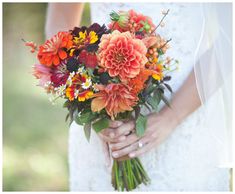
x: 85, y: 95
x: 76, y: 40
x: 92, y: 37
x: 71, y: 52
x: 157, y: 76
x: 82, y: 38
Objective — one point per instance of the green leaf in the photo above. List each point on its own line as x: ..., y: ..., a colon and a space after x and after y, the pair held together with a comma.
x: 150, y: 89
x: 161, y: 88
x: 153, y: 102
x: 66, y: 104
x: 148, y: 107
x: 140, y: 125
x: 160, y: 52
x: 137, y: 111
x: 114, y: 16
x: 84, y: 117
x: 90, y: 71
x: 100, y: 124
x: 87, y: 131
x: 168, y: 87
x: 67, y: 117
x: 157, y: 96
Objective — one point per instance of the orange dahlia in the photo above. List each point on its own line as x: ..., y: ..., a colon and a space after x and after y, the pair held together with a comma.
x: 54, y: 50
x: 122, y: 55
x: 115, y: 98
x: 138, y: 83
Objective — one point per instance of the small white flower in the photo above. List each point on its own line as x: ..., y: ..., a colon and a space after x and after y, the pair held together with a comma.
x: 60, y: 90
x: 69, y: 80
x: 80, y: 70
x: 86, y: 84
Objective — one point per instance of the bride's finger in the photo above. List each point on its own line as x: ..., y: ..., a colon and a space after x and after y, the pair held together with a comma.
x: 131, y: 148
x: 112, y: 126
x: 142, y: 150
x: 123, y: 129
x: 125, y: 151
x: 115, y: 124
x: 113, y: 140
x: 121, y: 144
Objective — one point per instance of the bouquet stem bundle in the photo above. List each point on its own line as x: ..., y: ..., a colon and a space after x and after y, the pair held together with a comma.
x: 128, y: 174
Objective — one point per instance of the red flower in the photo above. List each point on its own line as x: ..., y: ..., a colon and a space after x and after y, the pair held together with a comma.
x: 54, y: 50
x: 140, y: 22
x: 88, y: 59
x: 122, y: 55
x: 133, y: 22
x: 59, y: 75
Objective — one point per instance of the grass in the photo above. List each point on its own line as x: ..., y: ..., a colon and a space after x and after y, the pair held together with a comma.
x: 34, y: 131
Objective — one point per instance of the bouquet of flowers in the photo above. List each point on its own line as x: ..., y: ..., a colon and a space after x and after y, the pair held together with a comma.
x: 108, y: 73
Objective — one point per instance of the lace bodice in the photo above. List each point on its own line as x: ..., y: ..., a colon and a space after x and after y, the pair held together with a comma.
x: 178, y: 26
x: 183, y: 161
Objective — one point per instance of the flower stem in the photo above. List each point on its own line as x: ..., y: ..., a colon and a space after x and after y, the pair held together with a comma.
x: 128, y: 174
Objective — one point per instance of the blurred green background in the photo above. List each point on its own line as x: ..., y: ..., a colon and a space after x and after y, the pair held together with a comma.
x: 34, y: 131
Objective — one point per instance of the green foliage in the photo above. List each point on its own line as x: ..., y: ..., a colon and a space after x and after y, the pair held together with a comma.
x: 153, y: 102
x: 141, y: 123
x: 84, y: 117
x: 114, y: 16
x: 100, y: 124
x: 87, y: 130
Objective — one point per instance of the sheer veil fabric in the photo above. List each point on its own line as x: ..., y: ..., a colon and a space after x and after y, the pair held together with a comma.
x: 213, y: 72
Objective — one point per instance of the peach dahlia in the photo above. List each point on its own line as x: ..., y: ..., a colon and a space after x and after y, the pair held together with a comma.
x: 115, y: 98
x: 121, y: 54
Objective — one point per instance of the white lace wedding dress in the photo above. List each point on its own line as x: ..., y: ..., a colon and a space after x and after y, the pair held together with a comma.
x: 184, y: 162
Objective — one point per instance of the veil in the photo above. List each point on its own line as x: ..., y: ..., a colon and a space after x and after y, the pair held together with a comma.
x: 213, y: 73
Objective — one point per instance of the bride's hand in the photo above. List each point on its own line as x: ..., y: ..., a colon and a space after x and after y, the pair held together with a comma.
x: 159, y: 127
x: 104, y: 136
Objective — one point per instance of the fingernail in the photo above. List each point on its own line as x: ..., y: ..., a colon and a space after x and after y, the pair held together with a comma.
x: 111, y: 135
x: 115, y: 154
x: 132, y: 155
x: 122, y: 138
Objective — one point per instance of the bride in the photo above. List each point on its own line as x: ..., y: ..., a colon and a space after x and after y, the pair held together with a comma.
x: 186, y: 147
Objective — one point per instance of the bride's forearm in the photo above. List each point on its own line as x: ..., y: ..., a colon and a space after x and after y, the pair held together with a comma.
x: 63, y: 16
x: 185, y: 101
